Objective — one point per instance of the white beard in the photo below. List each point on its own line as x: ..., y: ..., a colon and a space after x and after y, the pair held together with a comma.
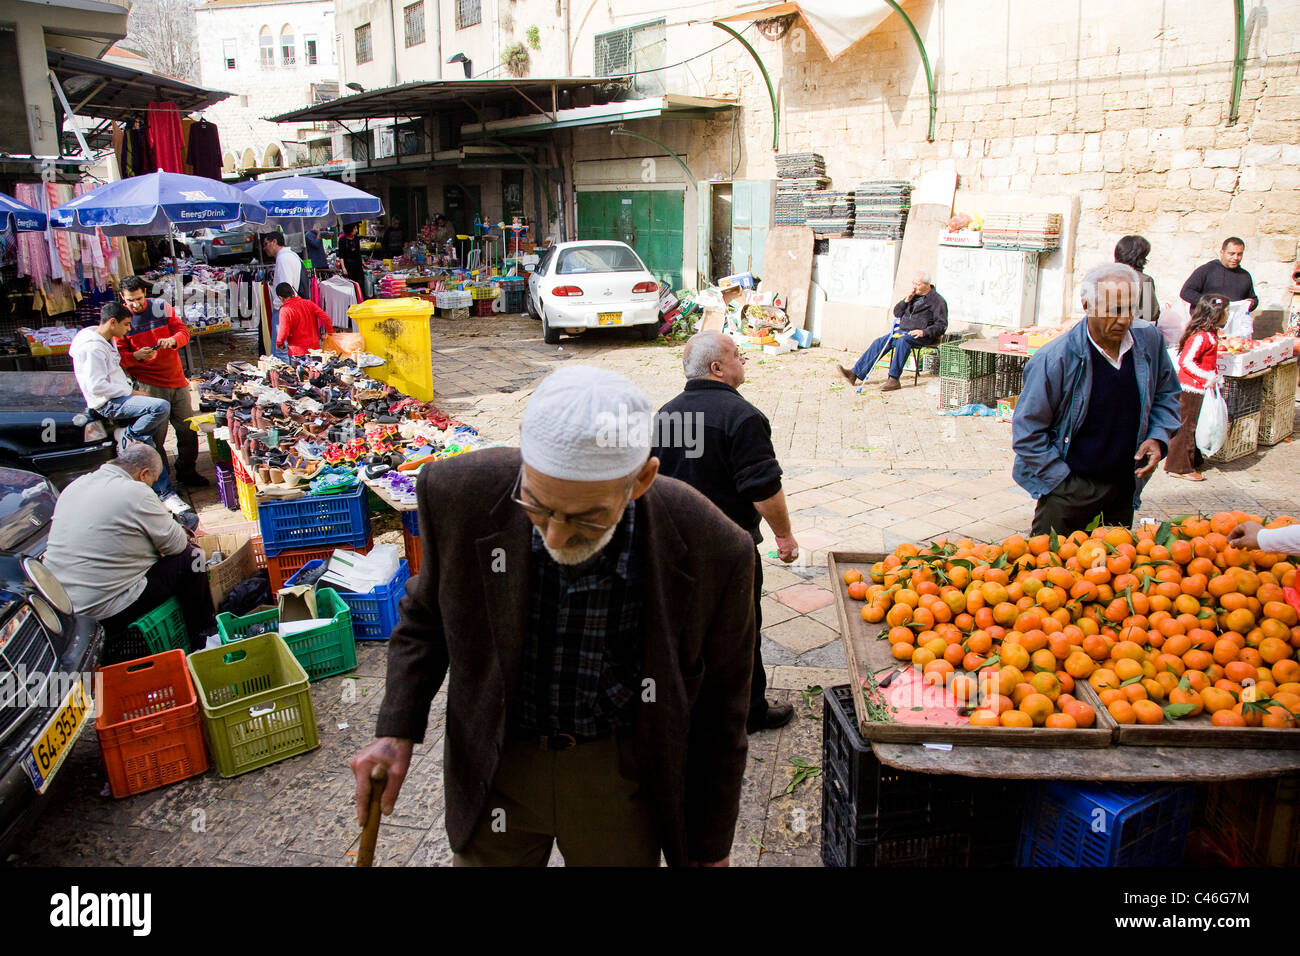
x: 580, y: 553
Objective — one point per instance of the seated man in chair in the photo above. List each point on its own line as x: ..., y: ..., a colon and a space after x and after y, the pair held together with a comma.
x: 119, y: 552
x: 920, y: 321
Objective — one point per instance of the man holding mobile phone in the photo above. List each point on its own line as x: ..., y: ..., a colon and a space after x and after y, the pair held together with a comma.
x: 150, y: 355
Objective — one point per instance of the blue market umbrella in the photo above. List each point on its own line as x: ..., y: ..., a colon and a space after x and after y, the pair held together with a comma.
x: 20, y: 215
x: 304, y: 202
x: 151, y: 205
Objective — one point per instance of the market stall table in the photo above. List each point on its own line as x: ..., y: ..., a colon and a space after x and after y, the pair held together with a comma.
x: 196, y: 336
x: 943, y: 751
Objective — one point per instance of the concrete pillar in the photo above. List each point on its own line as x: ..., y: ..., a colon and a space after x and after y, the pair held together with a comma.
x: 33, y: 72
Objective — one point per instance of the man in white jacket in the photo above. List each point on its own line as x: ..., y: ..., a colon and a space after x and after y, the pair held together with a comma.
x: 98, y: 367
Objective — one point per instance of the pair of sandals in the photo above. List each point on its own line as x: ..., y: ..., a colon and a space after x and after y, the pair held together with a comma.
x: 1189, y: 476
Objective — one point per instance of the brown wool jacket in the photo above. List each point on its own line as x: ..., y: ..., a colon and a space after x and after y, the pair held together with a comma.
x: 461, y: 612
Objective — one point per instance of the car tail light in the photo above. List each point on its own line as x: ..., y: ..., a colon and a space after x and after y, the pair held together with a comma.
x: 566, y: 290
x: 218, y: 241
x: 645, y: 287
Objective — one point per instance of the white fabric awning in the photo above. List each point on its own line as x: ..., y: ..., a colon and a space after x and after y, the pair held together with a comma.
x: 835, y: 24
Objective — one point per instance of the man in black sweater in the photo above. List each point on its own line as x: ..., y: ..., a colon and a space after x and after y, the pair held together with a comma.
x: 721, y: 445
x: 921, y: 320
x: 1223, y: 276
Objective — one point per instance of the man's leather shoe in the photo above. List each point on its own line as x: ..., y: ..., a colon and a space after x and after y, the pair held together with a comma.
x: 848, y: 375
x: 776, y: 715
x: 891, y: 385
x: 191, y: 479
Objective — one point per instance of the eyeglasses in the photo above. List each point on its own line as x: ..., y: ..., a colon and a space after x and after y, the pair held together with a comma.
x: 545, y: 515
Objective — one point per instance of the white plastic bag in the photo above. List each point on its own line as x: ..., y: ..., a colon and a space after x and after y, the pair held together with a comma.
x: 1212, y: 423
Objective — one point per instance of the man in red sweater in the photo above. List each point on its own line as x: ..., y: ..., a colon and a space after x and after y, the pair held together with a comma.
x: 150, y: 356
x: 302, y: 322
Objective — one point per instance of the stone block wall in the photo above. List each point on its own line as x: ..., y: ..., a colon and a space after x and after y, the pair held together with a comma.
x: 1123, y: 105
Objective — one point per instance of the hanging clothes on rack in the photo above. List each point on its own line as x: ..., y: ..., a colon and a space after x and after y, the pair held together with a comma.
x: 165, y: 137
x: 204, y: 151
x: 33, y: 248
x: 337, y: 296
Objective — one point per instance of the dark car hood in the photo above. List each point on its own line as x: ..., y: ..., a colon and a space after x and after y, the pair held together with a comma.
x: 40, y: 391
x: 26, y: 507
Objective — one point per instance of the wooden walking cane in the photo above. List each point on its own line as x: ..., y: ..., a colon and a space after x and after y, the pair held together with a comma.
x: 370, y: 834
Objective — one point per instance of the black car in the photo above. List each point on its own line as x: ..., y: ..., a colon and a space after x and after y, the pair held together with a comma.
x: 48, y: 656
x: 44, y: 426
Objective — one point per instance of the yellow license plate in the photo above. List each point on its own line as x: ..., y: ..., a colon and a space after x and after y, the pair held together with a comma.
x: 58, y: 737
x: 609, y: 318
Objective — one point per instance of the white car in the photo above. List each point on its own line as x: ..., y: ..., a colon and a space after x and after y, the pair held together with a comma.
x: 592, y: 285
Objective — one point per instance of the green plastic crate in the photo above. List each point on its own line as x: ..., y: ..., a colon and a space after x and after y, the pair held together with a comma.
x: 957, y: 362
x: 256, y: 704
x: 219, y: 450
x: 323, y: 651
x: 159, y: 631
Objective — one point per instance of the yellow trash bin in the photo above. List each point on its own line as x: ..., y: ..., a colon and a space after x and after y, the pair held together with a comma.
x: 397, y: 330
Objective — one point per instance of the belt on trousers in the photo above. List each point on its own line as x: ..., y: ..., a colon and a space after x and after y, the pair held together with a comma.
x: 556, y: 741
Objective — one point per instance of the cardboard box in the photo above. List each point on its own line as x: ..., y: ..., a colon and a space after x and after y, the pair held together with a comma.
x: 713, y: 320
x: 1007, y: 408
x: 238, y: 562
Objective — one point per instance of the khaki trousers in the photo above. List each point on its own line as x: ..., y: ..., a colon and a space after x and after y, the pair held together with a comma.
x: 187, y: 439
x: 578, y: 797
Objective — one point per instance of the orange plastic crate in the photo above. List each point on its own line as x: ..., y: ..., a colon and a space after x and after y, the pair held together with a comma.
x: 413, y: 551
x: 286, y: 564
x: 150, y: 727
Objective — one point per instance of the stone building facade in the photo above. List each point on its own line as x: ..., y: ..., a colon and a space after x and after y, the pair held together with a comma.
x: 272, y: 56
x: 1120, y: 106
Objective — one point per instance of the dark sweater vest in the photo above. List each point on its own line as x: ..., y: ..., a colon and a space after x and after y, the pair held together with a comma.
x: 1102, y: 448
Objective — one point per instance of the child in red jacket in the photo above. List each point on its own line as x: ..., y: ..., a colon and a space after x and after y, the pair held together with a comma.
x: 1198, y: 357
x: 302, y: 323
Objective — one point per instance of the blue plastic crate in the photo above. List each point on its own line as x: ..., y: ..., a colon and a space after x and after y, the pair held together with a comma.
x: 374, y: 614
x: 1094, y: 825
x: 315, y: 520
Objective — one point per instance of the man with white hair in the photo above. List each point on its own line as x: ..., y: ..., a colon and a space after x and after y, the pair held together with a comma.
x: 721, y: 445
x: 119, y: 553
x: 919, y: 321
x: 597, y: 624
x: 1097, y: 410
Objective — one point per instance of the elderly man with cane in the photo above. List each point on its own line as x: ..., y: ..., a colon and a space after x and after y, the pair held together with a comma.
x: 597, y: 624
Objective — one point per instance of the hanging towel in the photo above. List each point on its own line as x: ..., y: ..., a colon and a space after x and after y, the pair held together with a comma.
x: 165, y: 137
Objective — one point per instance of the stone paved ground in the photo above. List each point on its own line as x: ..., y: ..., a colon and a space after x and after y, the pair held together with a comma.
x: 864, y: 472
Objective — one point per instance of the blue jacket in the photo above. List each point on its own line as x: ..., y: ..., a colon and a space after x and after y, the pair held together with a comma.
x: 1054, y: 403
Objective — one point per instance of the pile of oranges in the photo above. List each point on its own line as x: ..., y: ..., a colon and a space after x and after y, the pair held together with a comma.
x: 1166, y: 622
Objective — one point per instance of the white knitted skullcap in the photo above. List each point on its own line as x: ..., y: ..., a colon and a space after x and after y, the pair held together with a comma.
x: 586, y: 424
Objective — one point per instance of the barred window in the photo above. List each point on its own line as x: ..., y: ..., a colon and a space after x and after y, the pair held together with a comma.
x: 266, y: 48
x: 228, y: 53
x: 364, y: 53
x: 309, y: 51
x: 468, y: 13
x: 288, y: 49
x: 632, y: 50
x: 413, y: 19
x: 626, y: 51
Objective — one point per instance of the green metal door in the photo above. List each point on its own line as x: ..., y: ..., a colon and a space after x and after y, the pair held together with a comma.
x: 650, y: 221
x: 751, y: 212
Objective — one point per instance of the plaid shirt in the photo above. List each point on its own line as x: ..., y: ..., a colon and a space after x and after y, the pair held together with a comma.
x: 584, y: 647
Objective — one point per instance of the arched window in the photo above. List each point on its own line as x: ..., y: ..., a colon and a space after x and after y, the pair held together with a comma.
x: 274, y: 158
x: 288, y: 52
x: 249, y: 160
x: 229, y: 163
x: 266, y: 48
